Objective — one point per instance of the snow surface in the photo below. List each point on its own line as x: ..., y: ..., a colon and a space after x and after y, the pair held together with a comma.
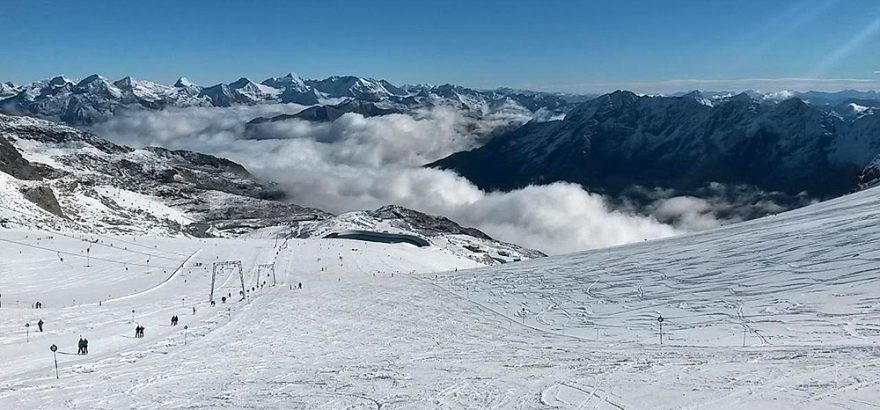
x: 780, y: 312
x: 858, y: 108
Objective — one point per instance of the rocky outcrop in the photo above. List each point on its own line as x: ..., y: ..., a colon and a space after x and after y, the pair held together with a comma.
x: 43, y: 197
x: 12, y: 163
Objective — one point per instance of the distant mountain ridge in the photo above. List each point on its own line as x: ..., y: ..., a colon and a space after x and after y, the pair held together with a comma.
x: 622, y: 139
x: 95, y: 98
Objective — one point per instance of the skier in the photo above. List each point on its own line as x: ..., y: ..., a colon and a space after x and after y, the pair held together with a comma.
x: 194, y: 310
x: 40, y: 325
x: 85, y: 346
x: 300, y: 286
x: 80, y: 346
x: 142, y: 331
x: 137, y: 331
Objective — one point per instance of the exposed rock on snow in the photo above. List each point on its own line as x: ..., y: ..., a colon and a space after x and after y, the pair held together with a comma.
x: 439, y: 231
x: 43, y: 197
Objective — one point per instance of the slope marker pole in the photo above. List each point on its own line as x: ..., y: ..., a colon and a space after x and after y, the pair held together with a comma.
x: 54, y: 348
x: 660, y: 320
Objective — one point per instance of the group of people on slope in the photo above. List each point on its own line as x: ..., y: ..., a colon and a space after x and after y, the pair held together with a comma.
x: 83, y: 346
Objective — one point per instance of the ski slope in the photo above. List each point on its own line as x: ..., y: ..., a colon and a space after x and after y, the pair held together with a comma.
x: 781, y: 312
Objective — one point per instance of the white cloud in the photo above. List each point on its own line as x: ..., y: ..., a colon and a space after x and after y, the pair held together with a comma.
x: 690, y: 213
x: 363, y: 163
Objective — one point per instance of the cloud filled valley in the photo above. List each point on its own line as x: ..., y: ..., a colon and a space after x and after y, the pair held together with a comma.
x: 359, y: 162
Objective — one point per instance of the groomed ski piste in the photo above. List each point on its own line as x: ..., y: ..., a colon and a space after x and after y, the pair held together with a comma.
x: 781, y: 312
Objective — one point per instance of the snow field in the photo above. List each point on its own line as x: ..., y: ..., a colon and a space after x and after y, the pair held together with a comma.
x: 380, y: 326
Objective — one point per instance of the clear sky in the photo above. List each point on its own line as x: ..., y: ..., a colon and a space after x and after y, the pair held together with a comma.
x: 643, y: 45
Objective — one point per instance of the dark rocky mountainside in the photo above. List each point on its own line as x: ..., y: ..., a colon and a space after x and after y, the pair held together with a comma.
x: 619, y: 140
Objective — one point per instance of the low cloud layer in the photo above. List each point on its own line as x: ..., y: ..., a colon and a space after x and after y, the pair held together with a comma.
x: 707, y: 207
x: 362, y: 163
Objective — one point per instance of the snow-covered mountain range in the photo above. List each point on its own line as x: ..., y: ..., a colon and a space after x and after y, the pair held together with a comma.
x: 621, y: 140
x: 96, y: 98
x: 789, y: 147
x: 59, y: 178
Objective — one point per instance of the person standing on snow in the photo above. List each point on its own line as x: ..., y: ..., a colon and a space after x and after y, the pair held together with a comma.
x: 85, y: 346
x: 40, y: 325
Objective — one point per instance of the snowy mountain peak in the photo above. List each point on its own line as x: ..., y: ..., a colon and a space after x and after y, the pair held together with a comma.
x: 250, y: 92
x: 290, y: 83
x: 742, y: 97
x: 184, y: 82
x: 59, y: 80
x: 779, y: 95
x: 698, y: 97
x: 241, y: 83
x: 350, y: 86
x: 8, y: 89
x: 98, y: 85
x: 125, y: 83
x: 94, y: 78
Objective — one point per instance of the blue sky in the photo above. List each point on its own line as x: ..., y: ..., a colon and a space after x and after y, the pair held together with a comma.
x: 647, y: 45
